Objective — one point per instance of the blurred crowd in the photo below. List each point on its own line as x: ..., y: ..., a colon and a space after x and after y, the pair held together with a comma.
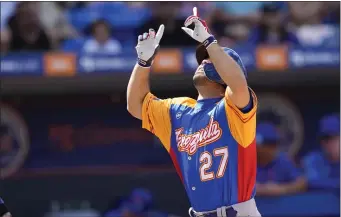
x: 108, y: 27
x: 278, y: 174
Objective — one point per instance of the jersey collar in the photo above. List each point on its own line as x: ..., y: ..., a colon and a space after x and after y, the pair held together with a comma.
x: 204, y: 103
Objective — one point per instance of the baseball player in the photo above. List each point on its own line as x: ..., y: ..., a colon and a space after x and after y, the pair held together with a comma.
x: 3, y: 209
x: 211, y: 140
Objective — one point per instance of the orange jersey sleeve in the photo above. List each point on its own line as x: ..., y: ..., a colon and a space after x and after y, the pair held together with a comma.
x: 242, y: 125
x: 156, y: 118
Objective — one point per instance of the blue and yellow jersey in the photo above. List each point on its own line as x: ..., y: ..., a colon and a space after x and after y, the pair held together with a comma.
x: 212, y: 145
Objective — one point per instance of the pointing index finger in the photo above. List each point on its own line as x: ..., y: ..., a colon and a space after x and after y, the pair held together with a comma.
x: 195, y: 11
x: 159, y: 33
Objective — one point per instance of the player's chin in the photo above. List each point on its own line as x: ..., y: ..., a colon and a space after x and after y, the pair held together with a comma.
x: 200, y: 79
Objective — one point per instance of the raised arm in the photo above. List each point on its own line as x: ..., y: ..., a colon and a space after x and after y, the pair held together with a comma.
x: 227, y: 68
x: 232, y: 75
x: 138, y: 86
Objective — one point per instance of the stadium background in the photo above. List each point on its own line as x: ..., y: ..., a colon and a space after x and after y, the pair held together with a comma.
x: 75, y: 150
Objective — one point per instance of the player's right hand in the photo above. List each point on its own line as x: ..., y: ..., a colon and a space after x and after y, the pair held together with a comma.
x: 148, y: 45
x: 200, y: 32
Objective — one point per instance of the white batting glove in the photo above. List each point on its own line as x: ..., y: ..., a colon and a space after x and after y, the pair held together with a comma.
x: 201, y: 32
x: 148, y: 45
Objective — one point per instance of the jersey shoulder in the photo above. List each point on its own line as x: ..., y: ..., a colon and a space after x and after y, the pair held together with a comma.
x: 182, y: 103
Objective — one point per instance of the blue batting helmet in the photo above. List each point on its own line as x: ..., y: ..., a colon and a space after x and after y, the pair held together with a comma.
x: 210, y: 72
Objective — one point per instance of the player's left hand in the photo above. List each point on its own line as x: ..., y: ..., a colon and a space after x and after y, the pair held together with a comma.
x: 148, y: 45
x: 201, y: 32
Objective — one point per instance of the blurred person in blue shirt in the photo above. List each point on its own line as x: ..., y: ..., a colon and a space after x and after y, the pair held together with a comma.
x: 100, y: 41
x: 272, y: 28
x: 26, y: 32
x: 303, y: 13
x: 314, y: 23
x: 231, y: 21
x: 167, y: 13
x: 322, y: 167
x: 277, y: 174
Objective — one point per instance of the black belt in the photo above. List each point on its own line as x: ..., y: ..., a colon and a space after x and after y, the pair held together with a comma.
x: 230, y: 212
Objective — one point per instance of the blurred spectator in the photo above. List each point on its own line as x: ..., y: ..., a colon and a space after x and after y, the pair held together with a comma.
x: 228, y: 28
x: 53, y: 19
x: 277, y: 174
x: 100, y: 42
x: 331, y: 11
x: 7, y: 9
x: 232, y: 23
x: 25, y: 30
x: 309, y: 19
x: 305, y: 13
x: 271, y: 29
x: 322, y: 167
x: 318, y: 35
x: 167, y: 13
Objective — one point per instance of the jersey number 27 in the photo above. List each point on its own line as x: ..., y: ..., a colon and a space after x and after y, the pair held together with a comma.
x: 206, y: 160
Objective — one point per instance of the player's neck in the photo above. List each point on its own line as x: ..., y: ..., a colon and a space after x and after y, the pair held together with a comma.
x: 208, y: 93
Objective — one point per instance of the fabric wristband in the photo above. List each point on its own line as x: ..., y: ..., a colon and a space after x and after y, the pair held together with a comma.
x: 209, y: 41
x: 143, y: 63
